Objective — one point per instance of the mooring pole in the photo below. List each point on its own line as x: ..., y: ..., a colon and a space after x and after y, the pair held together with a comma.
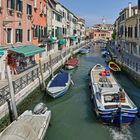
x: 13, y: 102
x: 50, y: 59
x: 42, y: 77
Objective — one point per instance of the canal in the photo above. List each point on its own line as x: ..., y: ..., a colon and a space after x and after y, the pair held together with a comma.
x: 72, y: 115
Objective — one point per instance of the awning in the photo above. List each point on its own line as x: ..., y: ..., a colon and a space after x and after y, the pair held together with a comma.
x: 73, y: 39
x: 51, y: 39
x: 1, y: 52
x: 27, y: 50
x: 62, y: 42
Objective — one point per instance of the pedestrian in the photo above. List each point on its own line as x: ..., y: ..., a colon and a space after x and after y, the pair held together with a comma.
x: 121, y: 95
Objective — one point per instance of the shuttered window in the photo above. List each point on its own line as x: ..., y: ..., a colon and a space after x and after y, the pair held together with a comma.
x: 45, y: 31
x: 28, y: 35
x: 9, y: 35
x: 11, y: 4
x: 29, y: 9
x: 19, y: 5
x: 18, y: 35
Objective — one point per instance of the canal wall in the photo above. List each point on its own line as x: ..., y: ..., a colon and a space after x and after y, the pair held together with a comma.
x: 129, y: 63
x: 29, y: 80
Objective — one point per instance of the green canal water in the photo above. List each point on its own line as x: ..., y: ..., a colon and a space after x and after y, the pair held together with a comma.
x: 72, y: 115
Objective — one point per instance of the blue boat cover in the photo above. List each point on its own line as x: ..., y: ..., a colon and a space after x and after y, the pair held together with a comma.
x: 60, y: 80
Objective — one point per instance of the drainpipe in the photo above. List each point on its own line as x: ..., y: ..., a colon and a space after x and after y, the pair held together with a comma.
x: 130, y: 9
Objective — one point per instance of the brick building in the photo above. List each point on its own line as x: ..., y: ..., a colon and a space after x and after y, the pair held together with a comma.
x: 15, y: 16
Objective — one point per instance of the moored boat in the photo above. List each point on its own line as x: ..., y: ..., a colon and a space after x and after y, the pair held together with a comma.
x: 114, y: 67
x: 84, y: 50
x: 59, y: 84
x: 71, y: 64
x: 28, y: 126
x: 110, y: 106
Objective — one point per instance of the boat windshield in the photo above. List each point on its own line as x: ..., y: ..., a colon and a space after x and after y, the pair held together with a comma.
x: 98, y: 67
x: 110, y: 98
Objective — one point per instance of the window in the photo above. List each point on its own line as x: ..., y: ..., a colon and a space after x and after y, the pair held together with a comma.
x: 29, y: 9
x: 35, y: 3
x: 35, y: 31
x: 41, y: 9
x: 19, y: 4
x: 28, y: 35
x: 9, y: 35
x: 53, y: 32
x: 18, y: 35
x: 0, y: 3
x: 11, y: 4
x: 58, y: 18
x: 45, y: 9
x: 45, y: 31
x: 136, y: 31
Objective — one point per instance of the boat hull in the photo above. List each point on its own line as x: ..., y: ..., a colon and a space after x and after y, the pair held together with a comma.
x: 117, y: 118
x: 112, y: 117
x: 60, y: 93
x: 69, y: 67
x: 114, y: 67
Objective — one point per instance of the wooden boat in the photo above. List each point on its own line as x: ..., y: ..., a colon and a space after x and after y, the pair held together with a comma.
x: 110, y: 108
x: 113, y: 66
x: 59, y: 84
x: 84, y: 51
x: 71, y: 64
x: 28, y: 126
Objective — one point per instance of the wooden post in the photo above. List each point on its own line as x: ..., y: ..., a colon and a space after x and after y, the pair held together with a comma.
x: 62, y: 57
x: 42, y: 77
x: 50, y: 59
x: 13, y: 103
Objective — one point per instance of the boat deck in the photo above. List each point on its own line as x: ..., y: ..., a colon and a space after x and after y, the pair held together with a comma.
x: 97, y: 78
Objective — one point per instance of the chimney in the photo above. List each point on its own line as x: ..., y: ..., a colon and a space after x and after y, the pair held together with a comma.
x: 130, y: 9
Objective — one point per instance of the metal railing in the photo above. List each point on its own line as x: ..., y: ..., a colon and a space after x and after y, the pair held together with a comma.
x: 130, y: 60
x: 26, y: 78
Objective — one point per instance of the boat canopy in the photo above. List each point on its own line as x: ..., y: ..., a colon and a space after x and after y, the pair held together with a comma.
x: 60, y: 80
x: 26, y: 128
x: 72, y: 62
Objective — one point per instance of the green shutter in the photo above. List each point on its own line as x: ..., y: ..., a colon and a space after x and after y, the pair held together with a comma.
x: 45, y: 31
x: 12, y: 4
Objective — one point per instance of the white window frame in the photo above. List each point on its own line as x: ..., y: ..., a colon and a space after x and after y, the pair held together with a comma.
x: 0, y: 3
x: 11, y: 36
x: 41, y: 7
x: 35, y: 3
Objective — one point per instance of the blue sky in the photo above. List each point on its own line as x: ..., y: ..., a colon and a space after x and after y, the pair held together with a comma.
x: 94, y: 10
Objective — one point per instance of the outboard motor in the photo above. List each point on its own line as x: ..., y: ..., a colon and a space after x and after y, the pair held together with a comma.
x: 40, y: 108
